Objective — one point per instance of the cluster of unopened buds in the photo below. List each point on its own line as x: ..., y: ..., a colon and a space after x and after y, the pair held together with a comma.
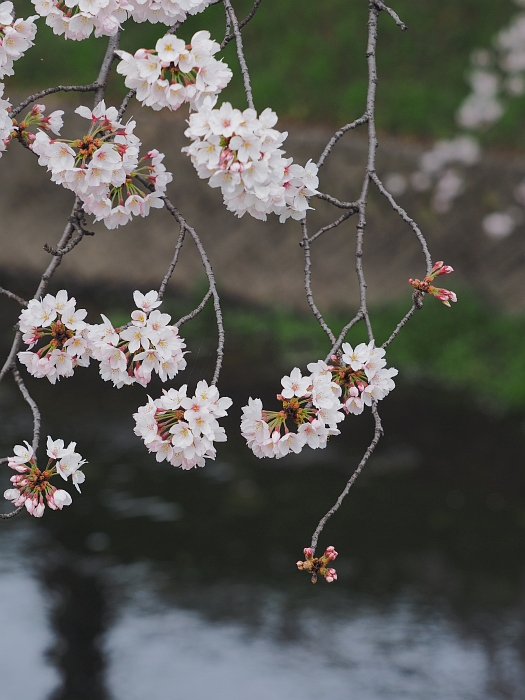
x: 77, y: 19
x: 240, y: 152
x: 181, y: 429
x: 102, y: 167
x: 316, y: 566
x: 316, y: 403
x: 31, y: 485
x: 35, y: 118
x: 16, y: 36
x: 174, y: 72
x: 55, y: 320
x: 426, y: 286
x: 147, y: 344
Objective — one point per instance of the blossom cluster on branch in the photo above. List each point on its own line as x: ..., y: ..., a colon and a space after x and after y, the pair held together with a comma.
x: 316, y: 403
x: 101, y: 167
x: 240, y: 152
x: 31, y: 485
x: 174, y: 72
x: 78, y: 19
x: 182, y: 429
x: 16, y: 36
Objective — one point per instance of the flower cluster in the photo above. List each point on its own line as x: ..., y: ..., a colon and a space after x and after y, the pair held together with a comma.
x: 318, y: 402
x: 148, y: 344
x: 6, y: 123
x: 174, y: 72
x: 426, y: 287
x: 77, y: 19
x: 319, y: 565
x: 16, y: 36
x: 181, y: 429
x: 101, y: 166
x: 311, y: 404
x: 55, y: 319
x: 31, y: 485
x: 240, y: 153
x: 165, y: 11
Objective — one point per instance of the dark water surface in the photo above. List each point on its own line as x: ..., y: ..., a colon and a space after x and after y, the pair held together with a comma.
x: 161, y: 584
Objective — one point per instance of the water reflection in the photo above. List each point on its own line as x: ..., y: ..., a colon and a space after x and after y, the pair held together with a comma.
x: 159, y: 583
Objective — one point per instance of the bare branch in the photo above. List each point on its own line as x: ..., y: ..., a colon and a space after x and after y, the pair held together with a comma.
x: 105, y: 68
x: 328, y: 227
x: 211, y: 279
x: 197, y: 310
x: 32, y: 405
x: 125, y: 102
x: 400, y: 325
x: 7, y: 516
x: 13, y: 296
x: 402, y: 213
x: 354, y: 206
x: 371, y: 447
x: 381, y: 6
x: 240, y: 52
x: 335, y: 138
x: 308, y: 284
x: 242, y: 24
x: 342, y: 335
x: 169, y: 273
x: 49, y: 91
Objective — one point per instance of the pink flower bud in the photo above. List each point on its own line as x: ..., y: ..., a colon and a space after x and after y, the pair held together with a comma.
x: 153, y: 153
x: 299, y: 564
x: 330, y: 553
x: 308, y: 552
x: 330, y: 575
x: 445, y: 270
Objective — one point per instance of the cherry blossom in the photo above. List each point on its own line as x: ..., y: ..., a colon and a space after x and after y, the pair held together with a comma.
x: 31, y: 485
x: 16, y: 36
x: 165, y: 11
x: 78, y: 20
x: 182, y: 429
x: 102, y: 167
x: 241, y: 153
x: 174, y: 73
x: 147, y: 344
x: 6, y: 123
x: 55, y: 320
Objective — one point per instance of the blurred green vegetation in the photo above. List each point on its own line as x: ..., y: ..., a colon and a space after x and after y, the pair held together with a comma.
x: 307, y: 60
x: 460, y: 348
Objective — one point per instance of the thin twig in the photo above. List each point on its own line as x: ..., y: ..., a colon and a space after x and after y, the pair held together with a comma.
x: 354, y: 206
x: 402, y: 213
x: 400, y: 325
x: 308, y: 284
x: 240, y: 53
x: 381, y: 6
x: 125, y: 102
x: 242, y: 24
x: 211, y: 279
x: 335, y: 138
x: 13, y: 296
x: 49, y: 91
x: 32, y: 405
x: 169, y: 273
x: 328, y: 227
x: 342, y: 335
x: 371, y: 447
x: 7, y: 516
x: 197, y: 310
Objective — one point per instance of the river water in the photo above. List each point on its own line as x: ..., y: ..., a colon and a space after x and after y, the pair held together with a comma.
x: 157, y: 583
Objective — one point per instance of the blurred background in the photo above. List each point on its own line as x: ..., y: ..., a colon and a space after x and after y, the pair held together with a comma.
x: 167, y: 584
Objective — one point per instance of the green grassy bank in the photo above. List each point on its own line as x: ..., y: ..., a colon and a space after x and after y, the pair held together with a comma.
x: 307, y: 60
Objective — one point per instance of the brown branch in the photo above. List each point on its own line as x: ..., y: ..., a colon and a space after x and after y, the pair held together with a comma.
x: 49, y: 91
x: 354, y: 206
x: 32, y: 405
x: 335, y: 138
x: 169, y: 273
x: 105, y: 68
x: 242, y: 24
x: 13, y: 296
x: 197, y: 310
x: 381, y: 6
x: 308, y: 284
x: 240, y: 52
x: 7, y: 516
x: 342, y: 335
x: 328, y: 227
x: 378, y: 431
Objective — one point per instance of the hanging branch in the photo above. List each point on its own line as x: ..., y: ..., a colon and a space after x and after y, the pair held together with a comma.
x: 240, y: 52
